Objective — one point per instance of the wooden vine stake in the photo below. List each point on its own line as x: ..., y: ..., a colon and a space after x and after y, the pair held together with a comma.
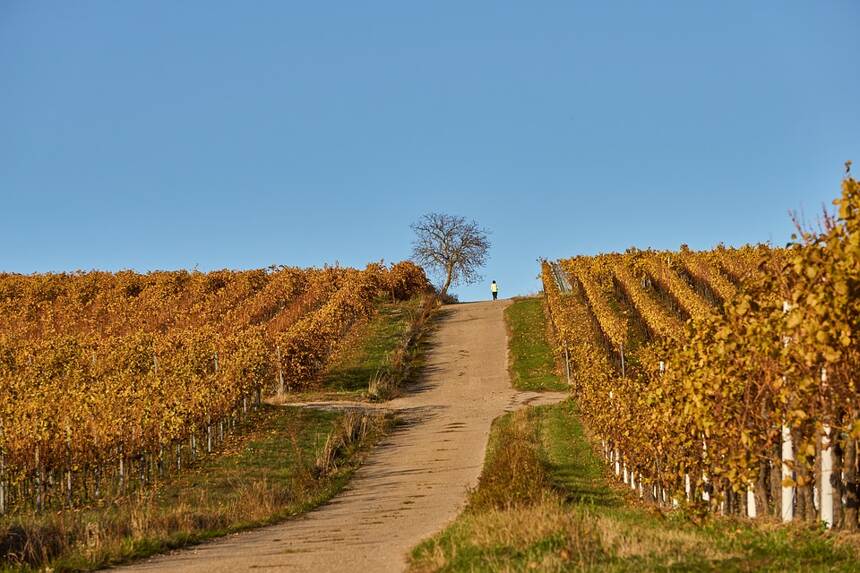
x: 567, y: 363
x: 706, y: 494
x: 2, y: 475
x: 280, y: 372
x: 2, y: 484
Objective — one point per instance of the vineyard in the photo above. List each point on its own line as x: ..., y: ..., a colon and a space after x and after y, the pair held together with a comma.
x: 723, y: 379
x: 109, y: 381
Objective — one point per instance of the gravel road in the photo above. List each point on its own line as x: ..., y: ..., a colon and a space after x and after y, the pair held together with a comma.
x: 412, y: 484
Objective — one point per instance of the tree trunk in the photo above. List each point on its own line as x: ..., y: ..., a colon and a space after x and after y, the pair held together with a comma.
x: 852, y: 500
x: 448, y: 279
x: 776, y: 480
x: 762, y: 501
x: 648, y: 492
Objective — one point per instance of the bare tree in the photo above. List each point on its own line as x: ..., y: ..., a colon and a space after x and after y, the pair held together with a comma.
x: 451, y: 247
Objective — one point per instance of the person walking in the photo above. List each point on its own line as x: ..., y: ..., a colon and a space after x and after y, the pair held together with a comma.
x: 494, y: 288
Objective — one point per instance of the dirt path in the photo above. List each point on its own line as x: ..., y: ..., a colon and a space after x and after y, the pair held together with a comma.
x: 413, y: 483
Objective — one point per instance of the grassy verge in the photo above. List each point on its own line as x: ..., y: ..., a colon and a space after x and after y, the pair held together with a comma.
x: 531, y: 360
x: 544, y: 504
x: 388, y: 346
x: 284, y: 462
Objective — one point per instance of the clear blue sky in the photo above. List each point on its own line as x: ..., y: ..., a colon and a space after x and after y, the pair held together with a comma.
x: 165, y: 134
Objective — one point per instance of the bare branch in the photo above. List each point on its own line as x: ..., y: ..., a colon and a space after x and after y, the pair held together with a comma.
x: 451, y: 247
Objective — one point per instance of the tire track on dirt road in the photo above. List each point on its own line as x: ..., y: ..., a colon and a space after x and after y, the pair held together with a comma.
x: 412, y: 484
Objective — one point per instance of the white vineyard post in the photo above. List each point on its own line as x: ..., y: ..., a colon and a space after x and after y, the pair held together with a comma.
x: 208, y: 436
x: 624, y: 472
x: 632, y: 480
x: 787, y: 501
x: 751, y: 508
x: 617, y: 464
x: 826, y: 487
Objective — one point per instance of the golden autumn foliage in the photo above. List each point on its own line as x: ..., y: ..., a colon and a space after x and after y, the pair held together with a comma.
x: 96, y: 367
x: 774, y: 345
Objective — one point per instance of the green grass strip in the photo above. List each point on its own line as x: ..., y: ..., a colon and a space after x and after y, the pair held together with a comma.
x: 570, y: 517
x: 532, y: 364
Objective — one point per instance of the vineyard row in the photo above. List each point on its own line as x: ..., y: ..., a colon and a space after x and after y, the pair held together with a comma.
x: 739, y: 391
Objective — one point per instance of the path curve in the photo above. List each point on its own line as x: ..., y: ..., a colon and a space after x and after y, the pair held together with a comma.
x: 412, y: 484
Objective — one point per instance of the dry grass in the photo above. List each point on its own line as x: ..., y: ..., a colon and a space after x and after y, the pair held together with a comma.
x: 515, y: 475
x: 267, y: 475
x: 669, y: 545
x: 560, y: 515
x: 351, y: 431
x: 543, y: 536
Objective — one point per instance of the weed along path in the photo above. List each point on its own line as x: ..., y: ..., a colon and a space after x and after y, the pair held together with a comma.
x: 412, y: 484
